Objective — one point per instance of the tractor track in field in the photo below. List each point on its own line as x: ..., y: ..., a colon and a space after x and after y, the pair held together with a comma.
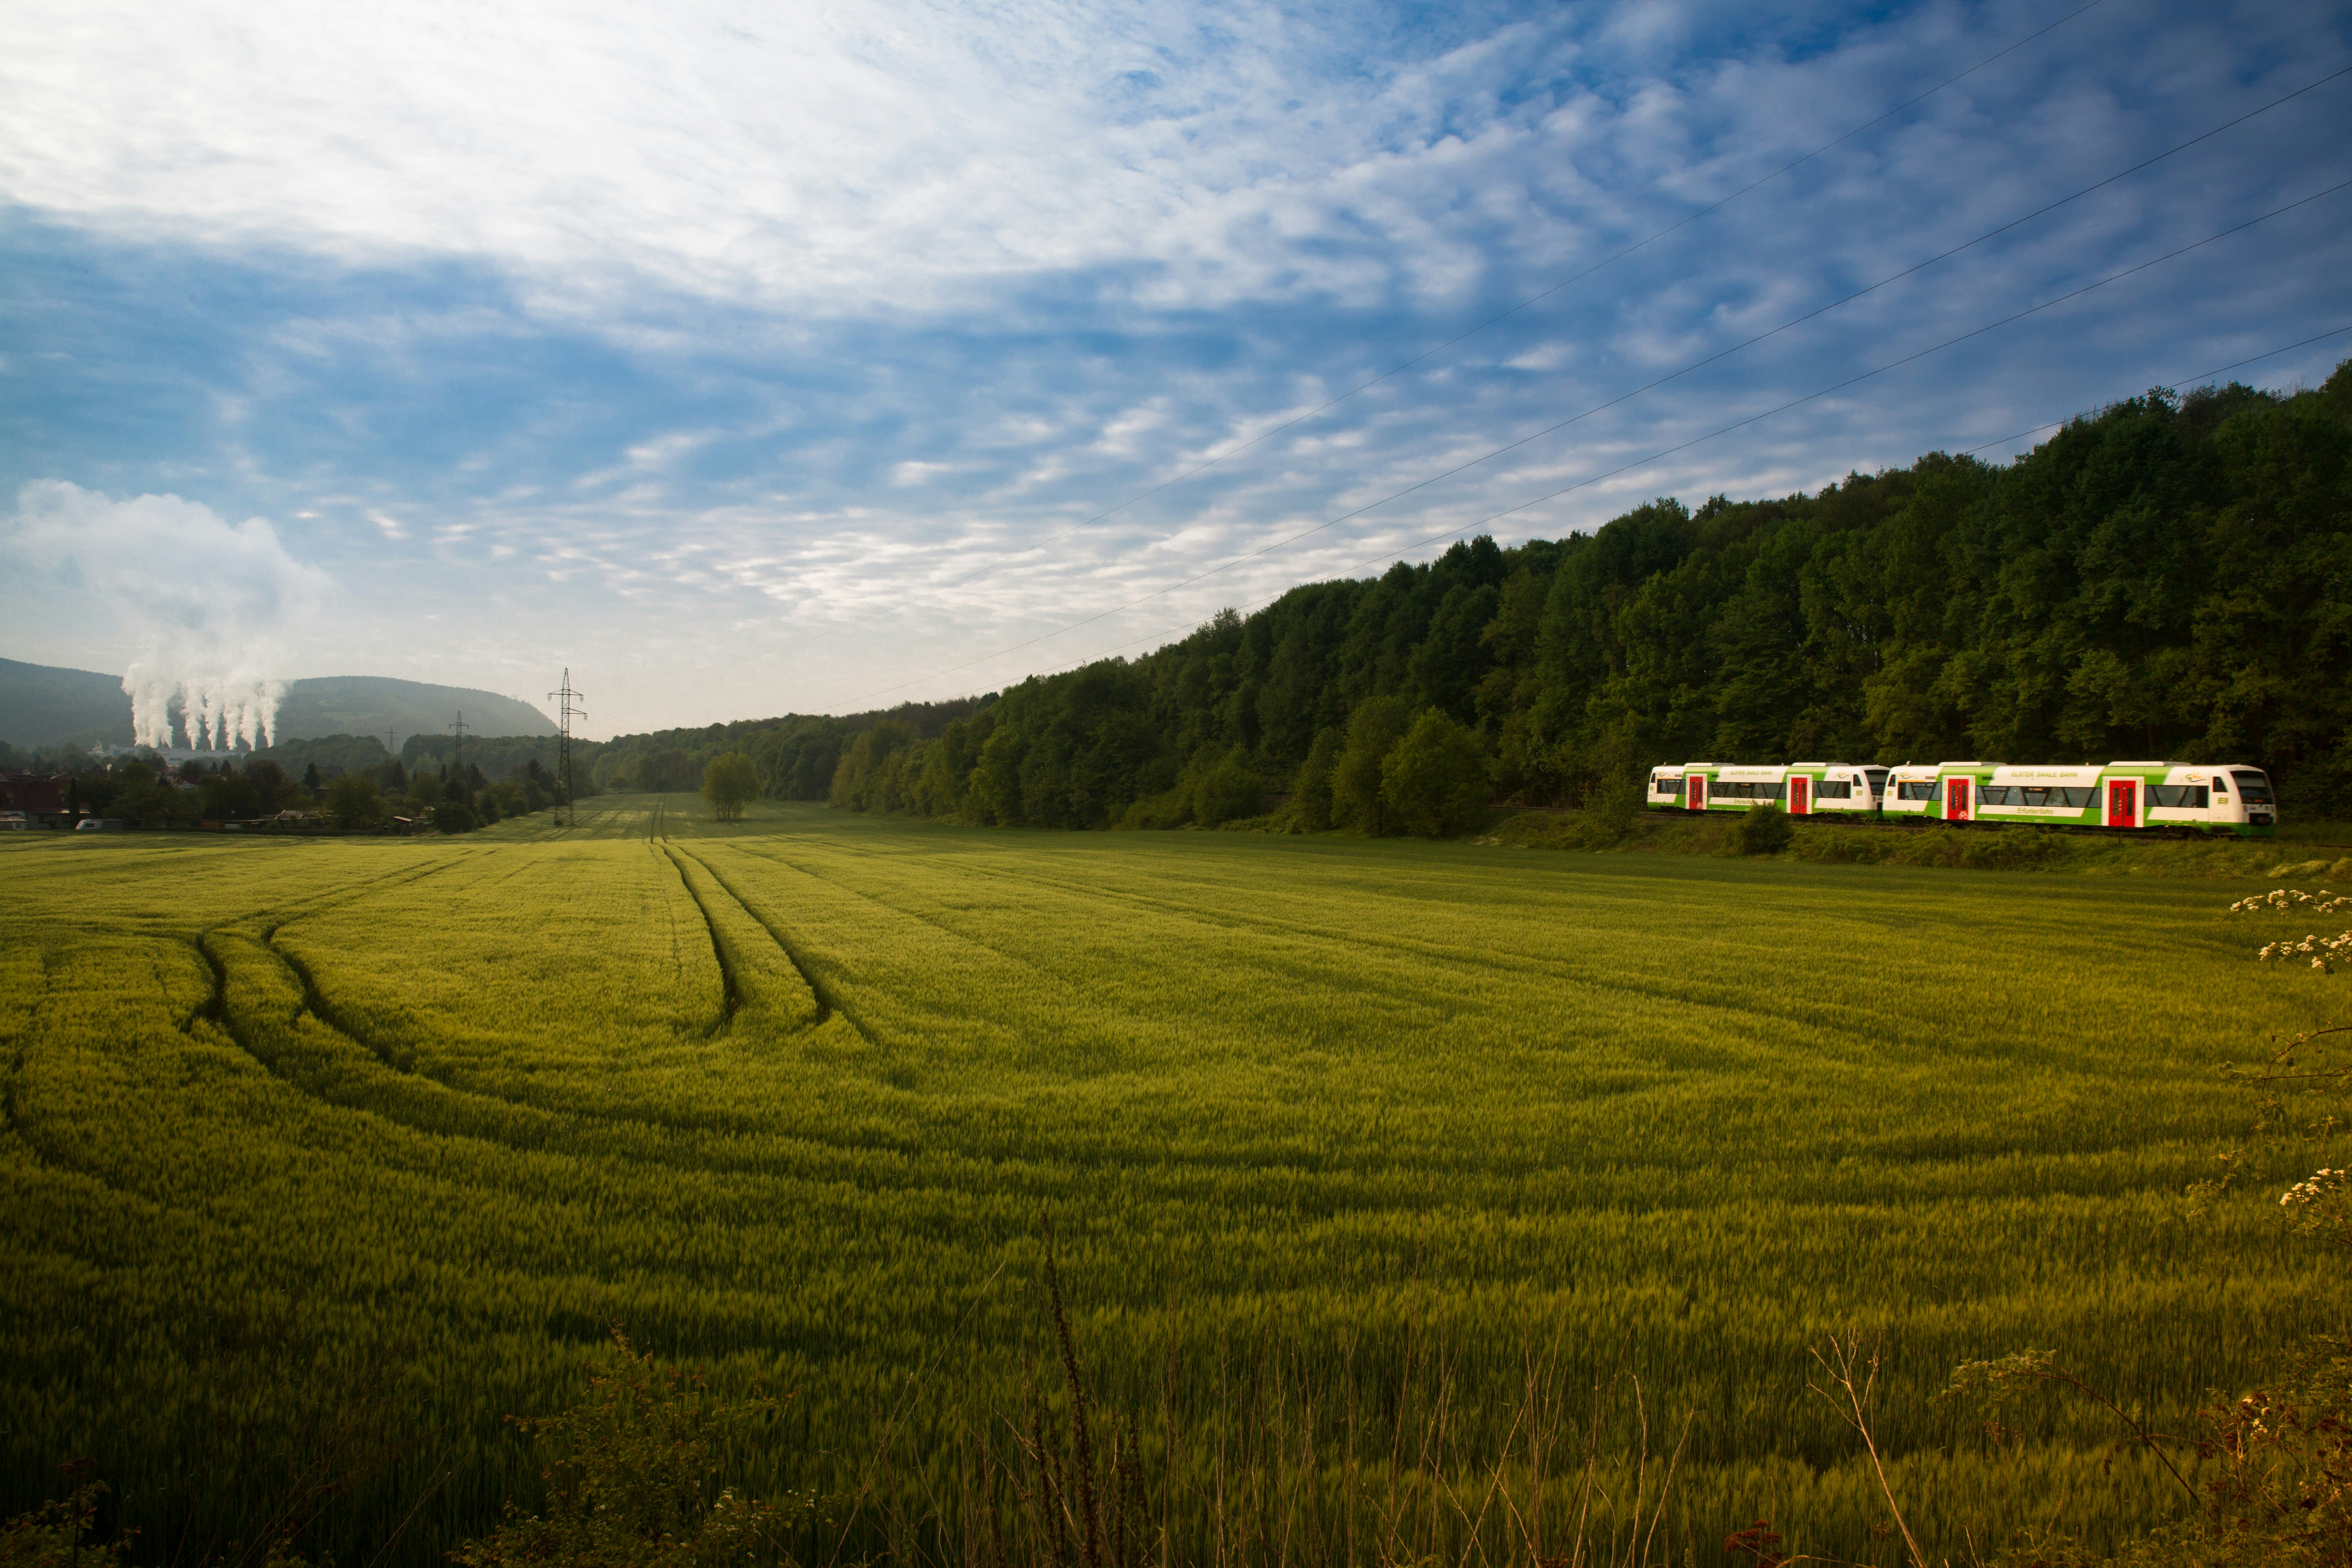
x: 731, y: 987
x: 570, y: 1119
x: 218, y: 1009
x: 1468, y: 962
x: 933, y: 922
x: 827, y: 1003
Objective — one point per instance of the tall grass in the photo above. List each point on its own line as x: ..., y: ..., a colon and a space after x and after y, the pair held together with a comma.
x: 1423, y: 1141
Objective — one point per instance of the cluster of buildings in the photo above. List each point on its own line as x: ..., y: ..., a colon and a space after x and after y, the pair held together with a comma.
x: 33, y: 800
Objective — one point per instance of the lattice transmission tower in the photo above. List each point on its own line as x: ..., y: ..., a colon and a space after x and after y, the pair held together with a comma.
x: 458, y: 770
x: 567, y: 708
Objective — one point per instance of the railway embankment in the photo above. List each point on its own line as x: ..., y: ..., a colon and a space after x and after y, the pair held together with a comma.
x: 2307, y: 856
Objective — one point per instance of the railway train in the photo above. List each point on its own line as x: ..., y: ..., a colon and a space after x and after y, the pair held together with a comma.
x: 2137, y: 797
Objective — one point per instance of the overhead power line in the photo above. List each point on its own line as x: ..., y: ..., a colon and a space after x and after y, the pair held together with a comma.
x: 1499, y: 317
x: 1655, y: 456
x: 1494, y: 452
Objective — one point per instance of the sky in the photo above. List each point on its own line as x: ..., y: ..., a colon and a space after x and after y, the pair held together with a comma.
x: 749, y: 360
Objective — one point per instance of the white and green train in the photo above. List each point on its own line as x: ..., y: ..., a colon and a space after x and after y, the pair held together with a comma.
x: 2144, y: 797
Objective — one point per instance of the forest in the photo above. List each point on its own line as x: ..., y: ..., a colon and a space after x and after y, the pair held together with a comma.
x: 2168, y: 577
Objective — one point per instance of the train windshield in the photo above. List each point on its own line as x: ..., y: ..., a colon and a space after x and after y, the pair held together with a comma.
x: 2254, y: 788
x: 1877, y: 778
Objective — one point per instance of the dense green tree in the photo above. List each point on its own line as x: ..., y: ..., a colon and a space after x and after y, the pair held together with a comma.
x: 1311, y: 791
x: 228, y: 794
x: 727, y: 783
x: 1357, y: 797
x: 1433, y: 780
x: 353, y: 800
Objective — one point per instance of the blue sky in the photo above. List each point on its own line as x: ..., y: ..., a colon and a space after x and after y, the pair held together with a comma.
x: 755, y: 358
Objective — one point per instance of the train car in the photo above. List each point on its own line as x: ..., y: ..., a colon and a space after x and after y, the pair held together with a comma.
x: 2130, y: 797
x: 1803, y: 789
x: 2215, y: 798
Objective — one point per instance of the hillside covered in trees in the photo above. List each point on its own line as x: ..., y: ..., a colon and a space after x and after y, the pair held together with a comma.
x: 2172, y: 577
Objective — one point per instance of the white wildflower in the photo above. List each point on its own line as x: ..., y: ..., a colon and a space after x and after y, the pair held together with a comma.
x: 2313, y: 1189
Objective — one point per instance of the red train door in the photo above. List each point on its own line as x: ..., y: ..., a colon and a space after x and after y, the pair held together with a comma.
x: 1955, y: 800
x: 1694, y: 791
x: 1800, y: 794
x: 2123, y: 803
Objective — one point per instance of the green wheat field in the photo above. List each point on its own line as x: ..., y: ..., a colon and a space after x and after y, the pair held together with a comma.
x: 1359, y: 1157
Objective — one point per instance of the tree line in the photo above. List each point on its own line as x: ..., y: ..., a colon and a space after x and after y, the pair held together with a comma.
x: 2168, y: 577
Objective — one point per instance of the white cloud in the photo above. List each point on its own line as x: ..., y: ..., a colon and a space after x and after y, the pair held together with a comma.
x: 820, y: 152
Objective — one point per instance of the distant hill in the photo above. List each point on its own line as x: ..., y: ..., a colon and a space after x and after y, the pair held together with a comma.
x: 42, y: 705
x: 370, y: 704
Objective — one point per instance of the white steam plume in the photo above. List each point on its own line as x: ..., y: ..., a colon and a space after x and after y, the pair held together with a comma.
x: 210, y: 603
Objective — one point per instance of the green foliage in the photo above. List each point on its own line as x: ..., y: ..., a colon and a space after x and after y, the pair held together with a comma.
x: 453, y: 816
x: 1311, y: 791
x: 1373, y: 730
x: 631, y: 1475
x: 1226, y: 789
x: 1761, y: 830
x: 873, y: 774
x: 352, y: 753
x: 354, y: 802
x: 1433, y: 780
x: 62, y: 1534
x: 727, y: 783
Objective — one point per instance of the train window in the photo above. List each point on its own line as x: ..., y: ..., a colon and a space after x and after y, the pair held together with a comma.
x: 2252, y: 788
x: 1877, y: 778
x: 2032, y: 795
x: 1833, y: 789
x: 2178, y: 795
x: 1915, y: 789
x: 1667, y: 786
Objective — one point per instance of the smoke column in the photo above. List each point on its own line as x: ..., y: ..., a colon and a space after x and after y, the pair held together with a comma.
x: 173, y: 701
x: 207, y: 603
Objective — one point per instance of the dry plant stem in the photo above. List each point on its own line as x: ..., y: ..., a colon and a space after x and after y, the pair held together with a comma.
x: 1089, y: 1513
x: 1666, y: 1486
x: 2148, y: 1439
x: 2280, y: 1068
x: 1838, y: 1364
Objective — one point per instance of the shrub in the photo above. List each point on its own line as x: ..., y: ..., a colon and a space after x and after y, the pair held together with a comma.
x: 1610, y: 814
x: 1761, y: 830
x: 453, y: 816
x: 1227, y: 790
x: 1168, y: 808
x: 630, y: 1473
x: 1434, y: 779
